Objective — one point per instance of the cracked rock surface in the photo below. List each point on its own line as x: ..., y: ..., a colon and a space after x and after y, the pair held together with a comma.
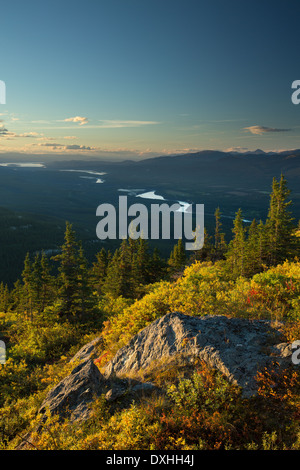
x: 237, y: 347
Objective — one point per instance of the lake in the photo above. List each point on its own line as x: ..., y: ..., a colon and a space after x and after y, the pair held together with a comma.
x: 24, y: 165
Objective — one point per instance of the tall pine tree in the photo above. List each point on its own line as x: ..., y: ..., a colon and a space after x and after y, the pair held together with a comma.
x: 4, y: 297
x: 177, y: 258
x: 236, y: 254
x: 252, y: 259
x: 72, y: 280
x: 99, y: 270
x: 220, y: 244
x: 119, y: 271
x: 28, y: 288
x: 279, y: 226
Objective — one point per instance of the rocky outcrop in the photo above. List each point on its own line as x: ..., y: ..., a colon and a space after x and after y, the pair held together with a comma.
x: 132, y: 388
x: 236, y: 347
x: 71, y: 398
x: 88, y: 351
x: 73, y: 394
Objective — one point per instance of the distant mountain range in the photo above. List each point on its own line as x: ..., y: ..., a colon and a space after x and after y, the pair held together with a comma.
x: 209, y: 168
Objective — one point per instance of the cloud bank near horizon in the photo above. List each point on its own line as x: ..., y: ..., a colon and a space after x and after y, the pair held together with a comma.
x: 260, y: 130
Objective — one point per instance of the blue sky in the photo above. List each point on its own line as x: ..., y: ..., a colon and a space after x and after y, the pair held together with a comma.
x: 123, y: 78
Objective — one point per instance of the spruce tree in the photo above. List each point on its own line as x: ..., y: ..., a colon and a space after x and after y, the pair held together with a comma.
x: 142, y: 261
x: 111, y: 282
x: 140, y: 267
x: 279, y: 226
x: 125, y: 269
x: 119, y: 272
x: 220, y: 244
x: 236, y: 252
x: 99, y: 270
x: 262, y: 244
x: 84, y: 297
x: 4, y: 297
x: 177, y: 257
x: 72, y: 273
x: 17, y: 298
x: 37, y: 283
x: 207, y: 251
x: 47, y: 281
x: 252, y: 259
x: 157, y: 266
x: 28, y: 287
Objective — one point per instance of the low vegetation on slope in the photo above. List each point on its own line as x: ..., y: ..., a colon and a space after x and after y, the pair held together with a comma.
x: 200, y: 409
x: 204, y: 289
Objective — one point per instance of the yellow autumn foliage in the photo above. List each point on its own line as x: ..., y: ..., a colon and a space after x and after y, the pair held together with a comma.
x: 204, y: 289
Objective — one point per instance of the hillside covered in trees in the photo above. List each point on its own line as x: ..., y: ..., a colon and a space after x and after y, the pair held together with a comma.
x: 60, y: 304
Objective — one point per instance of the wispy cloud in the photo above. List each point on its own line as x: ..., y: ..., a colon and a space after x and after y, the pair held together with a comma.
x: 78, y: 147
x: 10, y: 116
x: 236, y: 149
x: 260, y: 130
x: 86, y: 123
x: 79, y: 119
x: 5, y: 133
x: 114, y: 123
x: 103, y: 123
x: 30, y: 134
x: 40, y: 121
x: 58, y: 146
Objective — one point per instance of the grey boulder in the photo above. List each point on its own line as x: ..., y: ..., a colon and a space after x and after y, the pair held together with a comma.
x: 74, y: 393
x: 237, y: 347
